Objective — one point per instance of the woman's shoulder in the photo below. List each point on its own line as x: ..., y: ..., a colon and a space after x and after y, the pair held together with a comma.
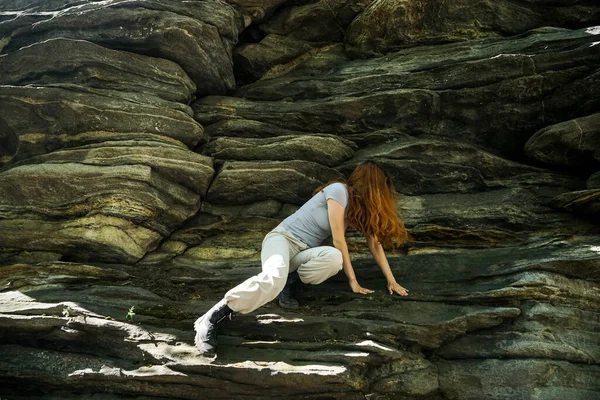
x: 337, y: 185
x: 337, y: 190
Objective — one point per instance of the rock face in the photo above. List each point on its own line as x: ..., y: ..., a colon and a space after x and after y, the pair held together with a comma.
x: 388, y: 25
x: 146, y: 148
x: 575, y: 142
x: 248, y: 182
x: 199, y: 36
x: 324, y: 149
x: 96, y: 161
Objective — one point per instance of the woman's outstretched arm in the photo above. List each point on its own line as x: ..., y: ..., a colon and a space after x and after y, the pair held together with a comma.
x: 381, y: 260
x: 335, y: 212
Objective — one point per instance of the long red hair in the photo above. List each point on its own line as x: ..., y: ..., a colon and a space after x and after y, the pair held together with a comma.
x: 372, y: 207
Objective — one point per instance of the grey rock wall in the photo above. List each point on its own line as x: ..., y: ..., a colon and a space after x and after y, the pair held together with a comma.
x: 146, y: 148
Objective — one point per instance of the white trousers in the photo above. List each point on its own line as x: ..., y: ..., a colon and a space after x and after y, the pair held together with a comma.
x: 281, y: 254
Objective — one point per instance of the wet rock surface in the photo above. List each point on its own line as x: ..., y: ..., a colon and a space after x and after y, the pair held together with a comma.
x: 146, y: 148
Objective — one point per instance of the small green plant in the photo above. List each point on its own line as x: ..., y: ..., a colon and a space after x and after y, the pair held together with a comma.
x: 130, y: 313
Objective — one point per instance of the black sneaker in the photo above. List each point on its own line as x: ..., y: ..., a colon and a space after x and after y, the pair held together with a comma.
x: 289, y: 294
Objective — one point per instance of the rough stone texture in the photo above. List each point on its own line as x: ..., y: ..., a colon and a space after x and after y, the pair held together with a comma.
x: 388, y: 25
x: 255, y: 11
x: 240, y: 182
x: 86, y: 211
x: 95, y: 154
x: 84, y: 66
x: 466, y: 92
x: 327, y: 150
x: 46, y: 118
x: 429, y: 166
x: 506, y: 379
x: 458, y: 219
x: 254, y: 60
x: 63, y: 93
x: 575, y: 142
x: 583, y: 202
x: 594, y: 181
x: 543, y: 331
x: 336, y: 344
x: 323, y: 20
x: 130, y: 201
x: 298, y: 33
x: 198, y: 35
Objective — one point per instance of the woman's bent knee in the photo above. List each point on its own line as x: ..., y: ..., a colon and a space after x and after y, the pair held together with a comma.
x: 336, y: 260
x: 328, y: 263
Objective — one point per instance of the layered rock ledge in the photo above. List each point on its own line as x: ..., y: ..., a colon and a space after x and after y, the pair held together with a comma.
x: 146, y: 148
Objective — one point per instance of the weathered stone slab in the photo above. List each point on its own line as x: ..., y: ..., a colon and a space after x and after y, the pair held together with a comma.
x: 245, y: 128
x: 23, y: 277
x: 89, y: 374
x: 42, y: 119
x: 575, y: 142
x: 243, y: 182
x: 218, y: 237
x: 10, y: 6
x: 86, y: 67
x: 255, y: 11
x: 463, y: 92
x: 429, y: 166
x: 387, y: 25
x: 172, y: 161
x: 498, y: 215
x: 585, y: 203
x: 413, y: 322
x: 543, y: 330
x: 320, y: 58
x: 113, y: 348
x: 253, y: 60
x: 521, y: 286
x: 337, y: 115
x: 573, y: 257
x: 204, y: 33
x: 444, y: 66
x: 320, y: 21
x: 327, y: 150
x: 506, y: 379
x: 109, y: 213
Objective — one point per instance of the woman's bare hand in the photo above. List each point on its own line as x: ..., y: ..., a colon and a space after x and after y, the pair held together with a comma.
x: 394, y: 287
x: 356, y: 288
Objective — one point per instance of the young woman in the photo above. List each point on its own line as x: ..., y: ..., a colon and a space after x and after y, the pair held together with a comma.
x: 366, y: 202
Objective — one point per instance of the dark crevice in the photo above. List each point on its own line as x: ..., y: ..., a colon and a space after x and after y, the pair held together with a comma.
x: 252, y: 34
x: 9, y: 142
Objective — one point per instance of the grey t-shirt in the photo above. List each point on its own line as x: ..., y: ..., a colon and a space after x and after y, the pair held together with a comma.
x: 310, y: 224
